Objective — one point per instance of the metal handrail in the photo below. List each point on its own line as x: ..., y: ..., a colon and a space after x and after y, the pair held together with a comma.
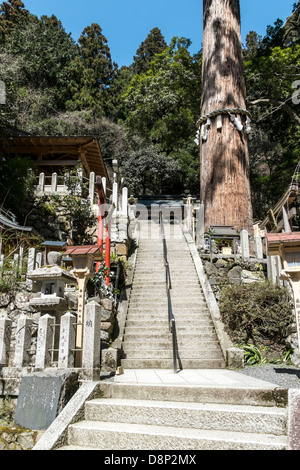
x: 171, y: 318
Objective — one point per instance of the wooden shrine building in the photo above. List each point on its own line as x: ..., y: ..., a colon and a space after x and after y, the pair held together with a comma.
x: 55, y: 154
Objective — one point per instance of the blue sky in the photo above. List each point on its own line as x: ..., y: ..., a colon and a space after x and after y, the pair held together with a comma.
x: 126, y: 23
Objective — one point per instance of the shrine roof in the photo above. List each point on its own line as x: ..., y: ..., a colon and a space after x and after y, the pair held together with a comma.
x: 283, y: 237
x: 82, y: 250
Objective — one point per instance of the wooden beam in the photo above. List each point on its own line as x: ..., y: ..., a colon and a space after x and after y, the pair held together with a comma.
x: 85, y: 163
x: 58, y: 162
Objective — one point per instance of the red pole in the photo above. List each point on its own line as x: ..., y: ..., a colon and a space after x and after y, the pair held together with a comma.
x: 101, y: 204
x: 107, y: 252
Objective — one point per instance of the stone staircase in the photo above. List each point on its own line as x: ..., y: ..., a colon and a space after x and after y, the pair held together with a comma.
x: 202, y: 407
x: 166, y: 417
x: 147, y: 340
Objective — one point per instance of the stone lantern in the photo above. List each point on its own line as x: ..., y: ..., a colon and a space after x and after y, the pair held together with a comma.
x: 83, y: 258
x: 53, y: 279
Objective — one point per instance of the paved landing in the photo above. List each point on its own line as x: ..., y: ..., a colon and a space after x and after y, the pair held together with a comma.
x: 204, y: 377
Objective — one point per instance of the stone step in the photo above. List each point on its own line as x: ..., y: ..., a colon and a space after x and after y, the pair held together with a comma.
x: 168, y: 363
x: 231, y: 395
x: 155, y: 315
x: 163, y: 338
x: 194, y: 335
x: 181, y: 323
x: 130, y: 345
x: 222, y: 417
x: 159, y: 438
x: 184, y: 354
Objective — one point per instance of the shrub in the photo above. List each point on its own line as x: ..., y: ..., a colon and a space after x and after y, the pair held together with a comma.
x: 257, y: 313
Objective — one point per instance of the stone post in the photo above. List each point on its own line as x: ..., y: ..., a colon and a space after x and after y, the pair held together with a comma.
x: 45, y: 342
x: 92, y: 341
x: 125, y: 202
x: 30, y: 266
x: 54, y: 183
x: 41, y: 186
x: 274, y: 269
x: 5, y: 335
x: 39, y: 260
x: 67, y: 339
x: 104, y: 185
x: 294, y: 419
x: 258, y: 248
x: 92, y: 187
x: 245, y: 244
x: 23, y: 341
x: 115, y: 195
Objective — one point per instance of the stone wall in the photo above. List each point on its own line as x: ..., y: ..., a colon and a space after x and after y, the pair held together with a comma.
x: 16, y: 438
x: 221, y: 272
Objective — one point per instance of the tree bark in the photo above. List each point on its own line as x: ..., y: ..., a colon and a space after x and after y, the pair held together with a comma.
x: 224, y: 157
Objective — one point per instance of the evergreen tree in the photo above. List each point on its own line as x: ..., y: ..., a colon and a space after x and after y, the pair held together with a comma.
x: 92, y: 71
x: 154, y: 44
x: 12, y: 14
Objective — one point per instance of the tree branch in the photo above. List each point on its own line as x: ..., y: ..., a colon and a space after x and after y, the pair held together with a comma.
x: 280, y: 105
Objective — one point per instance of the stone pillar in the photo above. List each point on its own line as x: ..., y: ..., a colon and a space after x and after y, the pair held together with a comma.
x: 92, y: 341
x: 45, y: 342
x: 30, y: 266
x: 5, y: 336
x: 115, y: 196
x: 67, y: 339
x: 39, y: 260
x: 104, y: 185
x: 274, y: 268
x: 245, y: 244
x: 92, y: 188
x: 258, y: 247
x: 23, y: 341
x: 125, y: 202
x: 41, y: 186
x: 294, y: 419
x: 54, y: 183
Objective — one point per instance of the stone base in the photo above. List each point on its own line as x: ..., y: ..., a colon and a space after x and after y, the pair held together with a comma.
x: 235, y: 358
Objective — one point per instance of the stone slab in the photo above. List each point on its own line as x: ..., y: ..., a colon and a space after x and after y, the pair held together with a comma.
x: 42, y: 397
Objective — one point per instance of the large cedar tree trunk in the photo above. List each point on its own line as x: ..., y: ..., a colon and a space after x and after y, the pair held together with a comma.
x: 225, y: 186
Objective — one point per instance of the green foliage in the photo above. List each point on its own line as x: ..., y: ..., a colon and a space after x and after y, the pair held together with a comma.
x: 258, y: 312
x: 148, y: 171
x: 163, y: 106
x: 57, y: 87
x: 6, y: 412
x: 252, y: 355
x: 16, y: 183
x: 12, y: 15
